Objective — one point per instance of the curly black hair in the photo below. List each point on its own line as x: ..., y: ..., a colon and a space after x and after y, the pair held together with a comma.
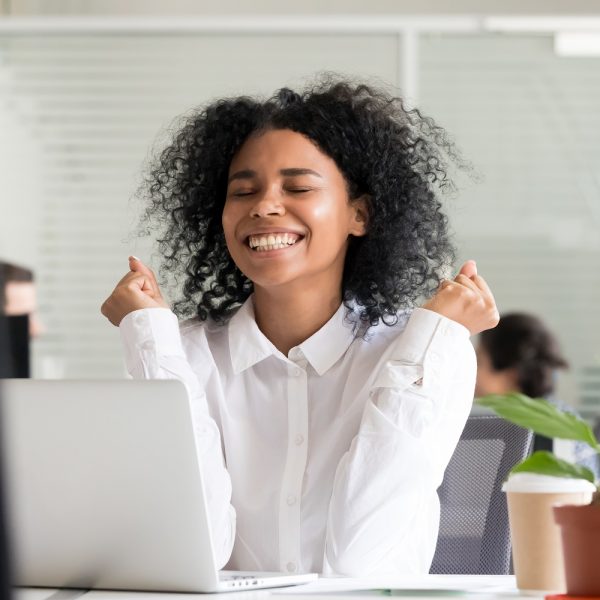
x: 521, y: 341
x: 395, y: 156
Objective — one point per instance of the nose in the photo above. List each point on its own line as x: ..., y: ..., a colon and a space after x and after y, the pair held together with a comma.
x: 267, y: 204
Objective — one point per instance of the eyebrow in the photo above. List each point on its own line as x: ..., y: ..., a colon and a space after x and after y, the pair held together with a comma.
x: 292, y: 172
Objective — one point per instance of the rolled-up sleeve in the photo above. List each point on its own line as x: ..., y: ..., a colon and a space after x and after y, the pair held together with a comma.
x: 154, y: 350
x: 384, y: 510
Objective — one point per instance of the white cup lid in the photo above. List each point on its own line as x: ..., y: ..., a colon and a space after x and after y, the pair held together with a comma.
x: 533, y: 483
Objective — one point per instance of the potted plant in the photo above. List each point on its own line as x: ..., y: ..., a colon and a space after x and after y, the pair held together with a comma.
x: 580, y: 525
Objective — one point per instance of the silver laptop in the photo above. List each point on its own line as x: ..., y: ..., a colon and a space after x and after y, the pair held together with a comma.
x: 105, y: 491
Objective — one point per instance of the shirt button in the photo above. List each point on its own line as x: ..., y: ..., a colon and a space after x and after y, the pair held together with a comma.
x: 297, y: 372
x: 291, y: 500
x: 291, y: 567
x: 299, y: 439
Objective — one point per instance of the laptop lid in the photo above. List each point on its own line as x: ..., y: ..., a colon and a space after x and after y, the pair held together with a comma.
x: 104, y: 488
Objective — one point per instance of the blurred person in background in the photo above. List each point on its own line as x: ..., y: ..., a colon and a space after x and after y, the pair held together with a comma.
x: 522, y: 355
x: 18, y: 305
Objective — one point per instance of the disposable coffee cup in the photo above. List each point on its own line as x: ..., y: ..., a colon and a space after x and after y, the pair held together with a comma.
x: 536, y: 541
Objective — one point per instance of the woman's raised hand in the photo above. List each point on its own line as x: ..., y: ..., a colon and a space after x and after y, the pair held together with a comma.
x: 138, y: 289
x: 466, y: 299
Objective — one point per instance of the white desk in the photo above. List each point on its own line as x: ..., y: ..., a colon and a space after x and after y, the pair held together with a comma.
x: 416, y: 588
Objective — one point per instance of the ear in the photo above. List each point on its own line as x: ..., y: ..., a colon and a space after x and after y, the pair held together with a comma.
x: 360, y: 216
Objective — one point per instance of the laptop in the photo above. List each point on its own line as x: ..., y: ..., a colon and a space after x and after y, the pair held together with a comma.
x: 104, y: 489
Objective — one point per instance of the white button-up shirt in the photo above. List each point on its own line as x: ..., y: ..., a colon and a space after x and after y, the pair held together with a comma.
x: 328, y: 459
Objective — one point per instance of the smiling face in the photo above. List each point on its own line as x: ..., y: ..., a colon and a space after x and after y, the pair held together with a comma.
x: 287, y: 216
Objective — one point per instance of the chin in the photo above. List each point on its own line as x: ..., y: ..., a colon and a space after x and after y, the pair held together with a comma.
x: 271, y: 282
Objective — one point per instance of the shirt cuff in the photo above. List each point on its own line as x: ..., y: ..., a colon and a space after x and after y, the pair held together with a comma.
x: 150, y: 332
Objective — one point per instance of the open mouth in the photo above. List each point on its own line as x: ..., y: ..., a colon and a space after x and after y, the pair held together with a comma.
x: 272, y: 241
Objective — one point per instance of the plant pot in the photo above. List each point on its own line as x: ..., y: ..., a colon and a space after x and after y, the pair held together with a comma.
x: 580, y: 532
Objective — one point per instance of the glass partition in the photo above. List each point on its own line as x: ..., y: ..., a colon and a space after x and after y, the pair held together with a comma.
x: 80, y: 113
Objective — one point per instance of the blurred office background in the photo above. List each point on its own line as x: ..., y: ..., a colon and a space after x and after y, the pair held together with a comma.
x: 87, y: 87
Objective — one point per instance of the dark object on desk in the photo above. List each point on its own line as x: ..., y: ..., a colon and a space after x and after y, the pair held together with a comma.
x: 474, y: 533
x: 14, y: 351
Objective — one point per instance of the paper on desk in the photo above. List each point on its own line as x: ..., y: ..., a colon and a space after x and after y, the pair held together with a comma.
x: 437, y: 585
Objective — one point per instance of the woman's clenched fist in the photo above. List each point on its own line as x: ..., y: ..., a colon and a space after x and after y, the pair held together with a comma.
x: 466, y: 299
x: 138, y: 289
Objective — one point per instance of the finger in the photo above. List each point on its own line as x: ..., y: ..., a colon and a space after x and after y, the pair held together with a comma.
x: 129, y: 276
x: 137, y: 266
x: 481, y: 283
x: 467, y: 282
x: 136, y: 281
x: 469, y: 268
x: 488, y: 297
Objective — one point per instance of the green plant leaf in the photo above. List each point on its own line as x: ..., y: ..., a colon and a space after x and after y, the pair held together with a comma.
x: 545, y: 463
x: 541, y: 416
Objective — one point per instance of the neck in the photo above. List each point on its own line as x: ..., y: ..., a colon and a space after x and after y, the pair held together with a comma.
x: 290, y: 315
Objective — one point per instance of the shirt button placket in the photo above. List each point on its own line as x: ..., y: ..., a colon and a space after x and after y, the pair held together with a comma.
x: 295, y: 465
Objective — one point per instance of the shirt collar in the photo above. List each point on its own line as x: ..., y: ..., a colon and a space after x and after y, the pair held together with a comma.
x: 325, y: 347
x: 248, y: 345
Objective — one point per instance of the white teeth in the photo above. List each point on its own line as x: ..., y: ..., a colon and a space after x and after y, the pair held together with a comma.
x: 272, y: 241
x: 271, y: 247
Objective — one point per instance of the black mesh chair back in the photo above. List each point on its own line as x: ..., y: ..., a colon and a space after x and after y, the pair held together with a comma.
x: 474, y: 535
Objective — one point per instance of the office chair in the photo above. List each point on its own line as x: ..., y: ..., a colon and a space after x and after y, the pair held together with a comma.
x: 474, y: 535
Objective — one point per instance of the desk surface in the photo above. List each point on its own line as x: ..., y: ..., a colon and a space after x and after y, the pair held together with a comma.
x: 417, y: 588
